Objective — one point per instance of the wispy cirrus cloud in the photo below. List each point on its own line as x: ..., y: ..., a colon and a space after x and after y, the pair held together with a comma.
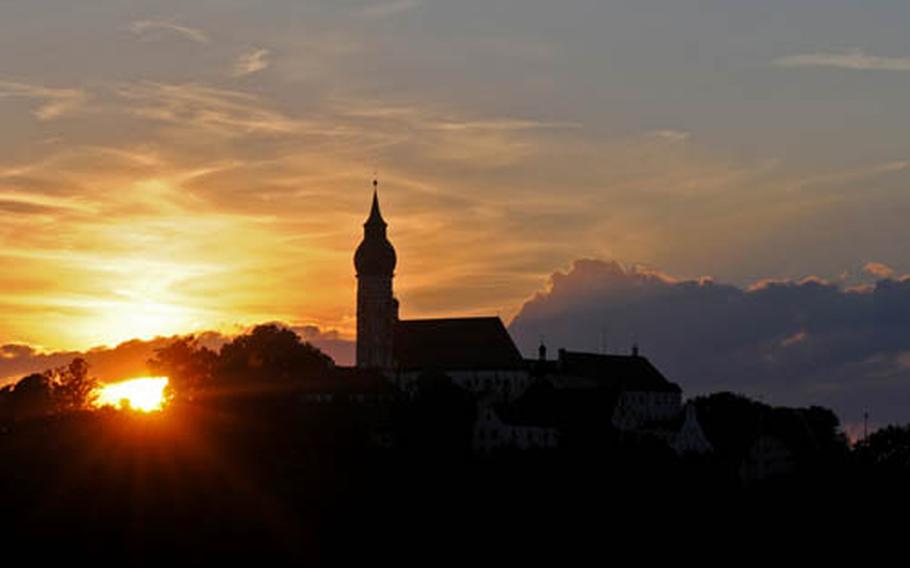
x: 251, y: 62
x: 145, y: 27
x: 54, y: 102
x: 853, y: 59
x: 381, y: 10
x: 504, y: 124
x: 223, y: 111
x: 670, y: 135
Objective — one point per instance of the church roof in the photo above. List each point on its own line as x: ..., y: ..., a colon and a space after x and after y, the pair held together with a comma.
x: 455, y: 344
x: 625, y: 373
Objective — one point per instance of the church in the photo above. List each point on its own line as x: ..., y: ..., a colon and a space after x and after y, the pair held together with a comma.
x: 477, y: 353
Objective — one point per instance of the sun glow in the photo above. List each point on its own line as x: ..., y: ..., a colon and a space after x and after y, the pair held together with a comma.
x: 145, y: 394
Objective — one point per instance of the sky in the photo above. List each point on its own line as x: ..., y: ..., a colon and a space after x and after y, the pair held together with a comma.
x: 168, y: 167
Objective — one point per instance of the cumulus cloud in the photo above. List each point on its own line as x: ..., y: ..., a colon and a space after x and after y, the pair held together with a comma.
x: 251, y: 62
x: 339, y: 348
x: 146, y: 27
x: 878, y: 270
x: 854, y: 59
x: 54, y: 103
x: 789, y: 342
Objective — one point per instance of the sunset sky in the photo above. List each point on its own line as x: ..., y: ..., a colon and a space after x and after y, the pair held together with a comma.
x: 171, y: 166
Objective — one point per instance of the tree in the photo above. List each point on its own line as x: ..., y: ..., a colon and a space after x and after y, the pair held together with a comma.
x: 732, y: 422
x: 825, y: 427
x: 6, y: 396
x: 62, y: 389
x: 271, y: 354
x: 887, y: 448
x: 73, y: 388
x: 187, y: 365
x: 32, y: 396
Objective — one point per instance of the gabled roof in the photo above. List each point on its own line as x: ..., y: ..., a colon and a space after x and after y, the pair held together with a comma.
x: 626, y: 373
x: 455, y: 344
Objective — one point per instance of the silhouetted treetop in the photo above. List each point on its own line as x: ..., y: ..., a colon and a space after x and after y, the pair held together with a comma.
x: 62, y: 389
x: 188, y: 366
x: 271, y: 353
x: 887, y: 448
x: 32, y: 396
x: 733, y: 423
x: 73, y: 388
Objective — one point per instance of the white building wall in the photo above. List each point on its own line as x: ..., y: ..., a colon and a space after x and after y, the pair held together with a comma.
x: 635, y: 408
x: 503, y: 384
x: 691, y: 438
x: 491, y: 434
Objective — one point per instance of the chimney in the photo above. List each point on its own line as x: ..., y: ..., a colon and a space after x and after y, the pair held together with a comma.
x: 561, y: 359
x: 542, y: 352
x: 635, y: 350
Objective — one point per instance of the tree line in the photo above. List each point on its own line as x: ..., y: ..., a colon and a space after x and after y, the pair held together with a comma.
x: 61, y: 389
x: 271, y: 360
x: 268, y: 356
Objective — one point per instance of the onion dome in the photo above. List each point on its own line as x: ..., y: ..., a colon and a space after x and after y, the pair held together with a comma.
x: 375, y: 256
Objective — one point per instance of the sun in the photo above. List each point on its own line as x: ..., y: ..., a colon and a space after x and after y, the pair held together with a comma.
x: 145, y: 394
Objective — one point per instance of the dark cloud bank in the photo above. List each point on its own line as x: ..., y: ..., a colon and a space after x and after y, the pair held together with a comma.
x: 793, y: 343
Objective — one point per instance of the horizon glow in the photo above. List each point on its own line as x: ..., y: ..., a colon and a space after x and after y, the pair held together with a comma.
x: 143, y: 394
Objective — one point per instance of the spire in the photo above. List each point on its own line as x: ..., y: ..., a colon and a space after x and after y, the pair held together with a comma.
x: 375, y: 217
x: 375, y: 255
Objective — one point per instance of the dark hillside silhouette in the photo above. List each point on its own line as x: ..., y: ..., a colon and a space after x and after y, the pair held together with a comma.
x: 244, y: 471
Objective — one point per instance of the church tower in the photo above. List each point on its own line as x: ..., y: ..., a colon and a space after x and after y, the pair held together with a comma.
x: 377, y: 308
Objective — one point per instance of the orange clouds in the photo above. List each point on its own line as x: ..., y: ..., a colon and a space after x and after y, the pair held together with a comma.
x: 878, y: 270
x: 146, y: 27
x: 177, y: 206
x: 53, y: 102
